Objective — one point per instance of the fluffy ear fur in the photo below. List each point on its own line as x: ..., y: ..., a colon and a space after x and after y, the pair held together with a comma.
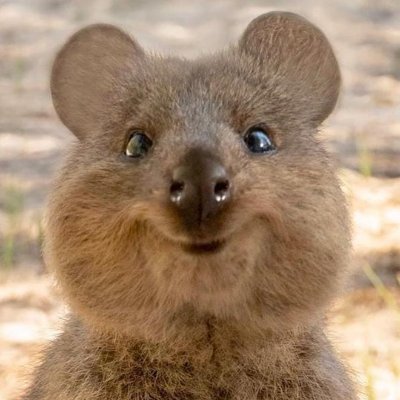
x: 297, y: 58
x: 88, y: 73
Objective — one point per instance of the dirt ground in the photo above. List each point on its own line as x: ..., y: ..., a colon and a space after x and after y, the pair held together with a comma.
x: 363, y: 134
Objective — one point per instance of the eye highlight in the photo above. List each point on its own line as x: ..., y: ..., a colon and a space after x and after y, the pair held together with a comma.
x: 258, y: 140
x: 138, y: 145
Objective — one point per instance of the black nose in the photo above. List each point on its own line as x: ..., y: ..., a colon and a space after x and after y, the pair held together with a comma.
x: 200, y: 188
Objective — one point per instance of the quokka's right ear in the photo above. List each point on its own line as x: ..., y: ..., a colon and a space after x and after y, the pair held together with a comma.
x: 88, y: 74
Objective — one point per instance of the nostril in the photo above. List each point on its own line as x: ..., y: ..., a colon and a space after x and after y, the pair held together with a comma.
x: 221, y: 190
x: 176, y: 191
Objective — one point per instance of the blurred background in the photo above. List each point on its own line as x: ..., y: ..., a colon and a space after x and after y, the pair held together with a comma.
x: 363, y: 135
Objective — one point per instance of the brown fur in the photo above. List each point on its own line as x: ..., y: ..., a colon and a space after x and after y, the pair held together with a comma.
x: 149, y: 320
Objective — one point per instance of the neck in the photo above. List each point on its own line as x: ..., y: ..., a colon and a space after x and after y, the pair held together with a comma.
x: 188, y: 332
x: 207, y: 355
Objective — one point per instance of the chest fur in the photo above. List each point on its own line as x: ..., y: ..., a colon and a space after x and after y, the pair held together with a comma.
x: 206, y: 373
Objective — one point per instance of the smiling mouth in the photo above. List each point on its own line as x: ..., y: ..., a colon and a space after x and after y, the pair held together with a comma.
x: 204, y: 248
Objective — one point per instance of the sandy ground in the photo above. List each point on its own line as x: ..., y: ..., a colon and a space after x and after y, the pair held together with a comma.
x: 363, y: 134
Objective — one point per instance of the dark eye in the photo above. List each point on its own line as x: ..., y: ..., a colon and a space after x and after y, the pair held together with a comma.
x: 138, y: 146
x: 258, y: 141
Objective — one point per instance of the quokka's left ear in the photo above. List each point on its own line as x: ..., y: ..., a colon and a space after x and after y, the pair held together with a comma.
x: 295, y: 55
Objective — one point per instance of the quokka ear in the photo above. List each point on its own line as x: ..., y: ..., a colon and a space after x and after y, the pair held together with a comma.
x: 88, y: 72
x: 294, y: 56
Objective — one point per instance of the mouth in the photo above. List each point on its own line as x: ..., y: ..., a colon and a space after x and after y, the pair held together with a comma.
x: 212, y: 247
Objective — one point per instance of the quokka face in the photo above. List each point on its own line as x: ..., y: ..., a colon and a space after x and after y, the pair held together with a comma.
x: 197, y: 184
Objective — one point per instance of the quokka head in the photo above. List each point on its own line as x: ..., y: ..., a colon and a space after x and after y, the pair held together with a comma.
x: 197, y: 184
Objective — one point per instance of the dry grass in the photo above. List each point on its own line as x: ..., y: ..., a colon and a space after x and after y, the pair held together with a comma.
x: 12, y: 205
x: 393, y: 361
